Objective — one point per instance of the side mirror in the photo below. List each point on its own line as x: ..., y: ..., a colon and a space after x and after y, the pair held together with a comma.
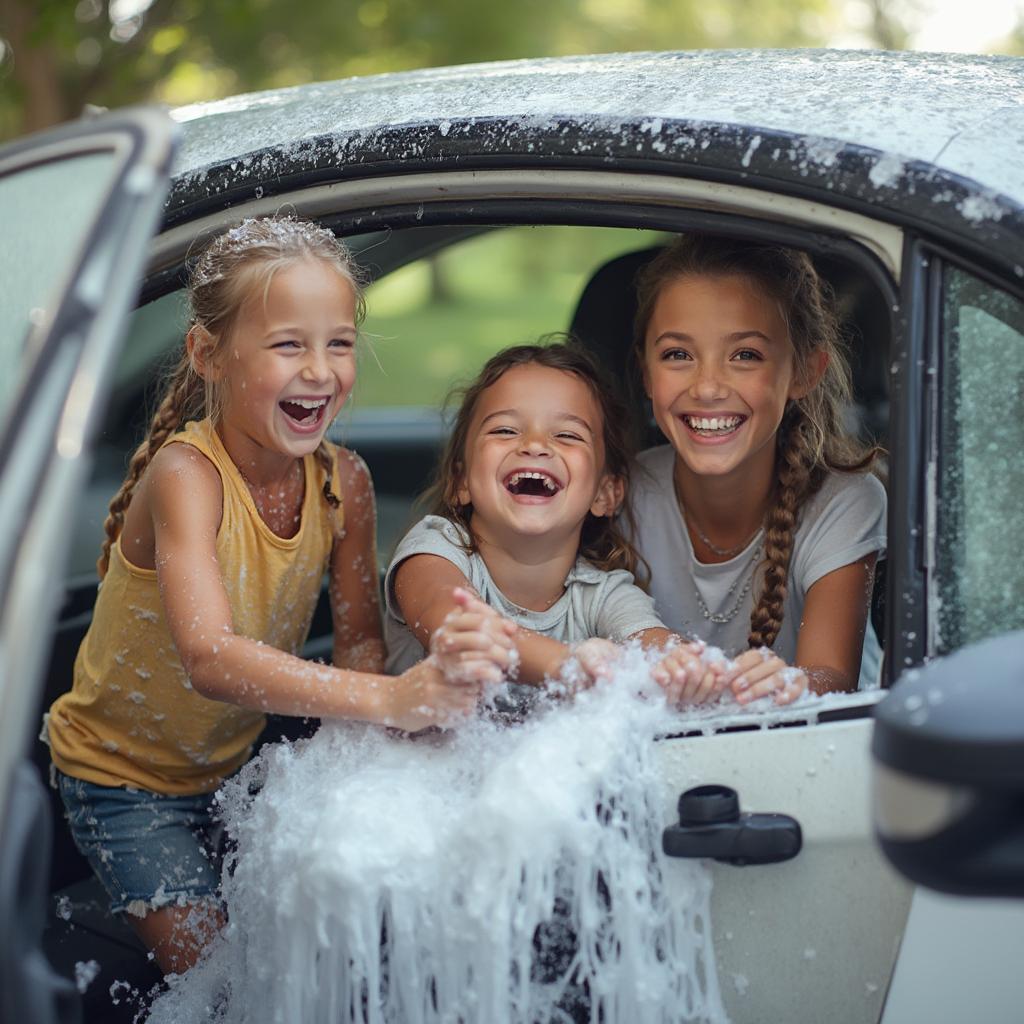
x: 948, y: 752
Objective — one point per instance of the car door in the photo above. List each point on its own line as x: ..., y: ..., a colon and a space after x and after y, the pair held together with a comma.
x: 815, y: 937
x: 78, y: 206
x: 794, y: 941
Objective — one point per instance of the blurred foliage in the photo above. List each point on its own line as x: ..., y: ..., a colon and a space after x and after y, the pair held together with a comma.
x: 506, y: 287
x: 56, y: 56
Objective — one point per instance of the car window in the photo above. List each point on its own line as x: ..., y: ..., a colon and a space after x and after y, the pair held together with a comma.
x: 980, y: 505
x: 46, y: 211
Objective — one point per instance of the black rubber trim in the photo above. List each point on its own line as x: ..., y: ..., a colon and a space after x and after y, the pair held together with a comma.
x: 906, y: 590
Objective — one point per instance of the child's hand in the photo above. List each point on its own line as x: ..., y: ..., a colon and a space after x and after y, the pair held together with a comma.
x: 474, y: 643
x: 596, y: 658
x: 421, y: 697
x: 760, y: 672
x: 686, y: 678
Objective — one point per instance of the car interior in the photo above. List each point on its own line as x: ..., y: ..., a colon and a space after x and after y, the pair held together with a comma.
x: 431, y: 323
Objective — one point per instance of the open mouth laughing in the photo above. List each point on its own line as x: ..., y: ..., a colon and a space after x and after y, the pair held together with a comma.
x: 305, y: 413
x: 532, y: 483
x: 713, y: 426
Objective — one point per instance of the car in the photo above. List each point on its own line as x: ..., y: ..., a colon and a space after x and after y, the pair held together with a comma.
x: 492, y: 203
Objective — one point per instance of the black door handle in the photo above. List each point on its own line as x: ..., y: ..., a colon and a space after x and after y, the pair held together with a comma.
x: 710, y: 825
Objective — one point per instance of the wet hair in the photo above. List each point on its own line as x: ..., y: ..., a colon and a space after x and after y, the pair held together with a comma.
x: 227, y: 272
x: 602, y: 541
x: 811, y: 439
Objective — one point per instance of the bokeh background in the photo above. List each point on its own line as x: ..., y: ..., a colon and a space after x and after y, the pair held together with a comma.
x: 56, y: 56
x: 433, y: 320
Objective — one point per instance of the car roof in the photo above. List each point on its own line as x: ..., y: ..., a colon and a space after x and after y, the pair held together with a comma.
x: 931, y: 138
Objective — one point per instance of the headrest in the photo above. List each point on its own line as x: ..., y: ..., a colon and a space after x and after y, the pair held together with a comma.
x: 604, y: 315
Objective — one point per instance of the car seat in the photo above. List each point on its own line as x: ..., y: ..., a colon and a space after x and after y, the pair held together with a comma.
x: 603, y: 322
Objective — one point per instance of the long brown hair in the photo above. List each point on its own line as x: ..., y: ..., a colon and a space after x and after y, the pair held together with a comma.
x: 225, y: 274
x: 811, y: 439
x: 602, y: 542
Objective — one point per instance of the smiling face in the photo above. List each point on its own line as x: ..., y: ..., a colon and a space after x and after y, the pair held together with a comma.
x: 288, y: 364
x: 533, y: 464
x: 719, y: 368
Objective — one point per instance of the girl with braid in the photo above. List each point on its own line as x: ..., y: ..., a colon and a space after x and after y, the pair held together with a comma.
x: 758, y: 519
x: 234, y: 509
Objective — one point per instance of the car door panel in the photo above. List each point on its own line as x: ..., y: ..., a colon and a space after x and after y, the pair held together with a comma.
x: 59, y: 329
x: 814, y: 938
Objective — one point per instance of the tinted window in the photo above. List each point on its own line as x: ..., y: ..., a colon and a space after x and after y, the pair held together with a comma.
x: 981, y: 463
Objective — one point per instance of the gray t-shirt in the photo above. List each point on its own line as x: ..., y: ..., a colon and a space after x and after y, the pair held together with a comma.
x: 595, y: 603
x: 844, y: 521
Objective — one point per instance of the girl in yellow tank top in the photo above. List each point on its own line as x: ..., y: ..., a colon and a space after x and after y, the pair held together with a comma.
x: 233, y: 510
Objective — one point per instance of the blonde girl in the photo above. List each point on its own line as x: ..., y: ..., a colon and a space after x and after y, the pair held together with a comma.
x: 233, y: 510
x: 525, y: 518
x: 758, y: 519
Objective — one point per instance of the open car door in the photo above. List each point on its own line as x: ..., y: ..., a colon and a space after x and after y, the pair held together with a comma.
x: 78, y: 207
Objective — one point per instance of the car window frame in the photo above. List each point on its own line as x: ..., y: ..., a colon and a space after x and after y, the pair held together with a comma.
x: 821, y: 231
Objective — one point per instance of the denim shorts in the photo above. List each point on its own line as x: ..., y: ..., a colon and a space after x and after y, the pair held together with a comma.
x: 148, y: 850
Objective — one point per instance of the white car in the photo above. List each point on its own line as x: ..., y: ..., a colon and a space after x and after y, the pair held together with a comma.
x: 900, y: 173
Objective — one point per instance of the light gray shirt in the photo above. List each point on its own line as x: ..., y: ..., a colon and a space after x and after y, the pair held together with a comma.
x: 595, y: 603
x: 844, y: 521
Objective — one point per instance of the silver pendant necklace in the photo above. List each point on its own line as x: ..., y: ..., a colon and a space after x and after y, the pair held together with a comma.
x: 747, y: 575
x: 719, y: 618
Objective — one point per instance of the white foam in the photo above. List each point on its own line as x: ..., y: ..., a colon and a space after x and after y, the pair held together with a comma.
x: 461, y: 844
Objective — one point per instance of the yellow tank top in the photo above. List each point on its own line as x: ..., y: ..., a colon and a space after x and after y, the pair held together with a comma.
x: 132, y: 717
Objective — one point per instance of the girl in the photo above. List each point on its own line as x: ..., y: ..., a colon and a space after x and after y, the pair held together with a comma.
x: 525, y: 515
x: 233, y: 509
x: 758, y: 520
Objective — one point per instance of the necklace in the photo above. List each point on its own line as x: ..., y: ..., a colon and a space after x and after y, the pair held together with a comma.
x: 722, y: 617
x: 711, y: 545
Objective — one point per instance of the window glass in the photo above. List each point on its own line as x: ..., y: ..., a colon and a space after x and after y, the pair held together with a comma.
x: 981, y: 463
x: 46, y: 211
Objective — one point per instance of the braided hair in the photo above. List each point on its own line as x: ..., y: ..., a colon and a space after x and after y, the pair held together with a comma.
x: 223, y: 276
x: 811, y: 440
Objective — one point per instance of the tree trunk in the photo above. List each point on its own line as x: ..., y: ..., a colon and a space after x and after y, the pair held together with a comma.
x: 34, y: 69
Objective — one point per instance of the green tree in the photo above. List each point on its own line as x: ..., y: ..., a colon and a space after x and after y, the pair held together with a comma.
x: 57, y: 56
